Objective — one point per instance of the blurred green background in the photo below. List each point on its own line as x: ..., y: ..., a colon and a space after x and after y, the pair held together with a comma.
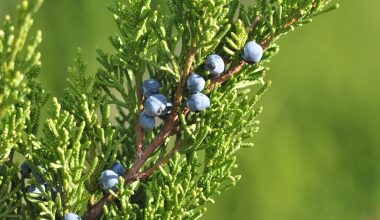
x: 318, y: 151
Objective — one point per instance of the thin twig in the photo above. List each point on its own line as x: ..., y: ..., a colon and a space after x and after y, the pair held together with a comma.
x: 149, y: 171
x: 265, y: 43
x: 227, y: 75
x: 254, y: 24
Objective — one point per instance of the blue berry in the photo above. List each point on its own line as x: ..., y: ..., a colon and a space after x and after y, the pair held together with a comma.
x: 35, y: 190
x: 197, y: 102
x: 146, y: 122
x: 71, y: 216
x: 214, y: 64
x: 252, y: 52
x: 150, y: 87
x: 195, y: 83
x: 108, y: 179
x: 25, y: 170
x: 155, y: 105
x: 118, y: 168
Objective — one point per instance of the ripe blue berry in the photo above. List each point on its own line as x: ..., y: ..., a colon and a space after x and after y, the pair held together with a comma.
x: 252, y: 52
x: 197, y: 102
x: 108, y: 179
x: 155, y: 105
x: 146, y: 122
x: 71, y: 216
x: 195, y: 83
x: 150, y: 87
x: 35, y: 190
x: 25, y: 170
x: 118, y: 168
x: 214, y: 64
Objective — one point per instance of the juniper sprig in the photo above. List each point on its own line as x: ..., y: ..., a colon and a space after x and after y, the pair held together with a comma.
x: 154, y: 133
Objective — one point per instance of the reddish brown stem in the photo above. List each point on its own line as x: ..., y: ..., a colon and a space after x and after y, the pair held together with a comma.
x: 149, y: 171
x: 227, y: 75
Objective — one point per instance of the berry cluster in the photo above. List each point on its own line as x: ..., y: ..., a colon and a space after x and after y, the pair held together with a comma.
x: 195, y: 83
x: 155, y: 104
x: 197, y: 100
x: 109, y: 178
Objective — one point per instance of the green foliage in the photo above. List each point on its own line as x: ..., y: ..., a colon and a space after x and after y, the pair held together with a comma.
x: 11, y: 196
x: 183, y: 163
x: 18, y: 61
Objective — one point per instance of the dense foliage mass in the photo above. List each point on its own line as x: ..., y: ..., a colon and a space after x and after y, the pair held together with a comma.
x: 179, y: 87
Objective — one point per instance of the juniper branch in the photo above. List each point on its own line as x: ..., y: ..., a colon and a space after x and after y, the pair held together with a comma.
x: 79, y: 141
